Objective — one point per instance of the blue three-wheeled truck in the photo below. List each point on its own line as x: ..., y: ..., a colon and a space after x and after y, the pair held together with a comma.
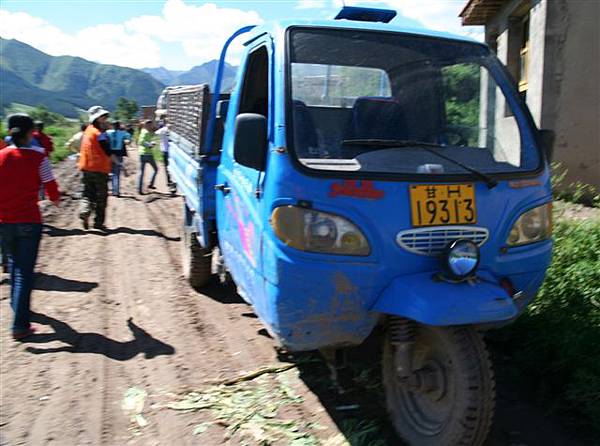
x: 362, y: 174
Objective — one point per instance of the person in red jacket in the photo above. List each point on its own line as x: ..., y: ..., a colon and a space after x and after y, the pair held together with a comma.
x: 23, y: 170
x: 44, y: 139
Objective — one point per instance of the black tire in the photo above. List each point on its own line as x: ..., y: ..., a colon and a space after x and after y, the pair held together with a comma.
x: 195, y: 260
x: 458, y: 412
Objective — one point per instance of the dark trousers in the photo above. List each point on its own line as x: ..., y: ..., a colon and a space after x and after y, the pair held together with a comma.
x: 146, y: 159
x: 165, y: 156
x: 21, y: 242
x: 95, y: 196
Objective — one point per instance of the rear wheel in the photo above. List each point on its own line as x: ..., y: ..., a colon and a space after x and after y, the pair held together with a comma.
x: 447, y: 398
x: 195, y: 260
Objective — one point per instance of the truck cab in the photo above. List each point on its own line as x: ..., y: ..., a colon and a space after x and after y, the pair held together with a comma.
x: 308, y: 133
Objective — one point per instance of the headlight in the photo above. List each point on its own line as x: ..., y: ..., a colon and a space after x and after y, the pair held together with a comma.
x: 460, y: 259
x: 314, y: 231
x: 532, y: 226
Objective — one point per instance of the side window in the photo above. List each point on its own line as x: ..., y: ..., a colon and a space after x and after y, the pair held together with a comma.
x: 255, y: 89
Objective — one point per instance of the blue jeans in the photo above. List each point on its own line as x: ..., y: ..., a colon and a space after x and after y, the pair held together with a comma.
x: 116, y: 176
x: 146, y: 159
x: 21, y: 242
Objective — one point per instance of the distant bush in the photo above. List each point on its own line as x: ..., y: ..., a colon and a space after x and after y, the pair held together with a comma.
x: 576, y: 192
x: 555, y: 346
x: 60, y: 135
x: 47, y: 117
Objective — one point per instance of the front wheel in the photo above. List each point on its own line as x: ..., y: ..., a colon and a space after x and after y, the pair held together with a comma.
x: 195, y: 260
x: 447, y: 398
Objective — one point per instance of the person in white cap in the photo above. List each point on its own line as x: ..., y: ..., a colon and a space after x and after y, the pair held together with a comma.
x: 95, y: 163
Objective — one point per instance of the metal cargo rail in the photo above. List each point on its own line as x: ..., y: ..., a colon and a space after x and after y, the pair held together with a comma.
x: 188, y: 110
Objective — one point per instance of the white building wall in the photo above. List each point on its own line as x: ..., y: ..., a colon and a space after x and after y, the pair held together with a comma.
x: 564, y: 75
x: 571, y: 97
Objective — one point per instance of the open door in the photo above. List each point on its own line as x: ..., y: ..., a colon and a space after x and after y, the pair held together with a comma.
x: 239, y: 205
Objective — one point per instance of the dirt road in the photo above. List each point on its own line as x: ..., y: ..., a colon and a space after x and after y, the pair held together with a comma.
x: 114, y: 314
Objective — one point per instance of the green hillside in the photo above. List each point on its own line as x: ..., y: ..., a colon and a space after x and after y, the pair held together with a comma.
x: 67, y: 84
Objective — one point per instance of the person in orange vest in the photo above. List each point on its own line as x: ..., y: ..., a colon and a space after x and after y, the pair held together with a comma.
x: 95, y: 163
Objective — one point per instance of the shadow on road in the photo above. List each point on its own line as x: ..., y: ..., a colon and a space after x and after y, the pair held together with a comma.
x: 222, y: 293
x: 53, y: 231
x: 97, y: 343
x: 50, y: 282
x: 128, y: 197
x: 353, y: 396
x: 155, y: 196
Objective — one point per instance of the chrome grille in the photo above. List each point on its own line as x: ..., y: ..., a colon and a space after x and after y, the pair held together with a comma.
x: 432, y: 241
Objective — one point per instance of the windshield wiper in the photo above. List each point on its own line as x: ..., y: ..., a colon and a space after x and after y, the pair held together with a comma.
x: 428, y: 146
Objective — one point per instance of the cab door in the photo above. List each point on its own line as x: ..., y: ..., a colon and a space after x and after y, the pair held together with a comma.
x: 239, y: 207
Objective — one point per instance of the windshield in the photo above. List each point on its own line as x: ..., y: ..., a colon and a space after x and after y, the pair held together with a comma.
x: 395, y: 103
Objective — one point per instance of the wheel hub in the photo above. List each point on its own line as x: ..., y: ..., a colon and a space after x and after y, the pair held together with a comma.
x: 429, y: 380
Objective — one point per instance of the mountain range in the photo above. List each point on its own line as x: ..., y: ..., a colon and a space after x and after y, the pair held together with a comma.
x: 70, y: 85
x: 200, y: 74
x: 66, y: 84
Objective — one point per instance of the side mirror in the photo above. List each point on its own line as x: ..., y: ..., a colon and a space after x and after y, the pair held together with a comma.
x: 547, y: 140
x: 250, y: 142
x: 222, y: 107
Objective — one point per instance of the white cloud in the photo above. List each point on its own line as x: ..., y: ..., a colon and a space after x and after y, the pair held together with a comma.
x: 311, y: 4
x: 434, y: 14
x: 440, y: 15
x: 201, y: 29
x: 110, y: 44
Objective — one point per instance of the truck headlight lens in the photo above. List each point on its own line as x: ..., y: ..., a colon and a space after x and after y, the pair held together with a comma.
x: 314, y: 231
x: 461, y: 259
x: 532, y: 226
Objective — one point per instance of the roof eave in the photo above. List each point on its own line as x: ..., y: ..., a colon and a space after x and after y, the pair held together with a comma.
x: 480, y: 12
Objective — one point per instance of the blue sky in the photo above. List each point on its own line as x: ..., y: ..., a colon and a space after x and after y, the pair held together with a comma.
x: 179, y: 34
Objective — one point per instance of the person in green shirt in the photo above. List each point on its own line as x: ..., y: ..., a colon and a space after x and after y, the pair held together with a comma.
x: 145, y: 143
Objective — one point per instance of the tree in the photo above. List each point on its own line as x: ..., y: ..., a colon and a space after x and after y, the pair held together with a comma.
x: 126, y: 109
x: 462, y: 87
x: 42, y: 113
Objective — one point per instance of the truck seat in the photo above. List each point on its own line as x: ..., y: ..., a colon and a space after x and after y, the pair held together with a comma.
x: 377, y: 118
x: 305, y: 132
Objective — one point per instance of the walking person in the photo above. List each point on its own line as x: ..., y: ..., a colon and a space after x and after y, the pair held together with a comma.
x: 95, y: 163
x: 40, y: 139
x: 119, y: 139
x: 145, y: 145
x: 74, y: 142
x: 45, y: 141
x: 163, y: 133
x: 23, y: 169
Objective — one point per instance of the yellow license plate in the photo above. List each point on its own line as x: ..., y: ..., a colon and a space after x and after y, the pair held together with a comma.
x: 442, y: 204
